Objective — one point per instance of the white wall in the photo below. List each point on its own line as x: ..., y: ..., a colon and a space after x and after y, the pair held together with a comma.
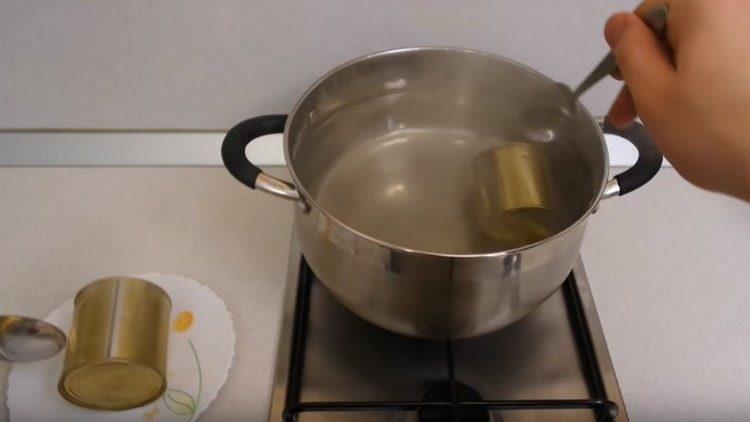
x: 141, y: 64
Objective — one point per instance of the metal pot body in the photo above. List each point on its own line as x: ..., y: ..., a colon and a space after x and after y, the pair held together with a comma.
x: 433, y: 296
x: 442, y: 193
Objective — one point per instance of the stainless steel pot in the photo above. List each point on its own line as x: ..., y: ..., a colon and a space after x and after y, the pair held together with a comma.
x: 441, y: 192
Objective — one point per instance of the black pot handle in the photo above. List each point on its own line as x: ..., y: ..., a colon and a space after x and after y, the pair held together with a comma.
x: 648, y: 164
x: 233, y: 155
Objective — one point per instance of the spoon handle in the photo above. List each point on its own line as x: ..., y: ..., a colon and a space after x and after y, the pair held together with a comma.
x: 607, y: 66
x: 656, y: 20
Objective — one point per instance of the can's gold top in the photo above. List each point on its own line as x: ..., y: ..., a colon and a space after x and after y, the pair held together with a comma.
x: 97, y: 283
x: 112, y: 385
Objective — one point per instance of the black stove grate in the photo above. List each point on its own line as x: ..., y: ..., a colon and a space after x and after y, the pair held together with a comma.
x: 605, y: 409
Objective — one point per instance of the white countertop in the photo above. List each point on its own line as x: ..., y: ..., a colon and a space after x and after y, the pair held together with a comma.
x: 669, y: 267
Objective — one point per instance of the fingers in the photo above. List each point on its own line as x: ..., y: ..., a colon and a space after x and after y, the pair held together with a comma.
x: 648, y: 5
x: 644, y: 62
x: 623, y: 112
x: 643, y: 11
x: 678, y: 11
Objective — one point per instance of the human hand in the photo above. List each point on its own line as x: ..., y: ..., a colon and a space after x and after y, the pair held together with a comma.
x: 694, y: 94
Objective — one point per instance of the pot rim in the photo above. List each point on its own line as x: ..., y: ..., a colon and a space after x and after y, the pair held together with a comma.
x: 311, y: 202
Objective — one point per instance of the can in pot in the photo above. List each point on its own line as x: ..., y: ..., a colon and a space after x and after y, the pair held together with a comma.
x: 117, y: 352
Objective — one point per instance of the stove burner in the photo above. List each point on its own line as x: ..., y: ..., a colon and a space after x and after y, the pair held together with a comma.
x: 450, y: 399
x: 441, y: 392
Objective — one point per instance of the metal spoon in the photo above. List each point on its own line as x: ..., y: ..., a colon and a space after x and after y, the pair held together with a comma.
x: 512, y: 180
x: 24, y: 339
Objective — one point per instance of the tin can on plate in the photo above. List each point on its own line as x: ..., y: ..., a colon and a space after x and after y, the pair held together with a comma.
x: 117, y: 352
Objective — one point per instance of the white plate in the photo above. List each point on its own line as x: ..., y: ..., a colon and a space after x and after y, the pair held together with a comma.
x: 200, y: 355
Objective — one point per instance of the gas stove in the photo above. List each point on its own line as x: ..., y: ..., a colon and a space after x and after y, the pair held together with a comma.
x: 332, y: 366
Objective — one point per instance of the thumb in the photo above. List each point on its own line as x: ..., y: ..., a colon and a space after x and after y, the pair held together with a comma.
x: 644, y: 62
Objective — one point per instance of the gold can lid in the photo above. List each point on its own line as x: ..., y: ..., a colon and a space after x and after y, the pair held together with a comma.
x: 123, y: 279
x: 112, y: 385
